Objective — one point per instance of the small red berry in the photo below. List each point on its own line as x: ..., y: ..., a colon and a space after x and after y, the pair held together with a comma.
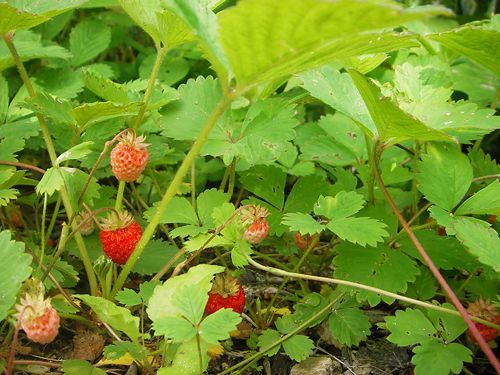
x: 258, y: 227
x: 303, y: 242
x: 39, y: 319
x: 441, y: 231
x: 119, y: 235
x: 226, y: 293
x: 491, y: 219
x: 487, y: 311
x: 129, y: 157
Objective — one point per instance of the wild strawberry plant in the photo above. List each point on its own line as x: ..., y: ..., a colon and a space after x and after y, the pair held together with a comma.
x: 154, y: 155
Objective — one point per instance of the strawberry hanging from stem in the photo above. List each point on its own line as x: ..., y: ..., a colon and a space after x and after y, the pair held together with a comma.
x: 255, y: 217
x: 129, y: 157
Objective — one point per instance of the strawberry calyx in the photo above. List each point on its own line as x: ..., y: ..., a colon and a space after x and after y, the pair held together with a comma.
x: 130, y: 138
x: 116, y: 220
x: 225, y: 285
x: 252, y: 213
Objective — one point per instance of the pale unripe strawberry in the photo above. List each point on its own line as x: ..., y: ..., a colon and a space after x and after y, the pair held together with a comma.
x: 129, y: 157
x: 39, y: 320
x: 255, y: 217
x: 85, y: 223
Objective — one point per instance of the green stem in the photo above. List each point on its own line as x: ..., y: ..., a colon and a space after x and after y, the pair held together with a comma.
x: 232, y: 178
x: 53, y: 158
x: 42, y: 232
x: 119, y: 196
x: 351, y: 284
x: 171, y: 191
x: 371, y: 180
x: 54, y: 217
x: 161, y: 52
x: 414, y: 187
x: 304, y: 325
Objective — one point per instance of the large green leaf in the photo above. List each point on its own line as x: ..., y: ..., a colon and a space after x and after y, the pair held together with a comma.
x: 14, y: 269
x: 484, y: 202
x: 451, y: 357
x: 87, y: 40
x: 349, y: 326
x: 478, y: 41
x: 444, y: 176
x: 410, y: 327
x: 269, y: 40
x: 392, y: 123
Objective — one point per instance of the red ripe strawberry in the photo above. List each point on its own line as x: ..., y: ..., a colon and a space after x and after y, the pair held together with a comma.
x: 258, y: 228
x: 485, y: 310
x: 303, y: 242
x: 129, y: 157
x: 226, y: 293
x: 119, y: 235
x: 39, y: 319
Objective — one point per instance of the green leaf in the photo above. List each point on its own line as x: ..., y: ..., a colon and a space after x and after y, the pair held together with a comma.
x: 121, y: 348
x: 380, y: 267
x: 207, y: 201
x: 203, y: 22
x: 105, y: 88
x: 186, y: 116
x: 451, y: 358
x: 349, y: 326
x: 305, y: 192
x: 484, y: 202
x: 360, y: 230
x: 393, y: 124
x: 344, y: 204
x: 268, y: 338
x: 178, y: 211
x: 117, y: 317
x: 77, y: 152
x: 128, y: 297
x: 266, y: 182
x: 6, y: 195
x: 266, y: 41
x: 32, y: 13
x: 144, y: 13
x: 298, y: 347
x: 80, y: 367
x: 57, y: 109
x: 161, y: 302
x: 187, y: 359
x: 11, y: 278
x: 87, y: 40
x: 191, y: 301
x: 178, y: 329
x: 480, y: 43
x: 51, y: 181
x: 217, y: 326
x: 444, y: 176
x: 410, y: 327
x: 450, y: 326
x: 156, y: 254
x: 481, y: 241
x: 303, y: 223
x: 89, y: 114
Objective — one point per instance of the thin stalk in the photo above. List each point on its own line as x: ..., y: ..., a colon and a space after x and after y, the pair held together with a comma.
x: 193, y: 186
x: 371, y: 180
x: 171, y: 191
x: 261, y: 353
x: 435, y: 271
x: 54, y: 217
x: 489, y: 177
x: 351, y: 284
x: 42, y: 231
x: 119, y: 196
x: 232, y: 178
x: 13, y: 345
x: 414, y: 187
x: 53, y: 157
x: 22, y: 165
x: 161, y: 52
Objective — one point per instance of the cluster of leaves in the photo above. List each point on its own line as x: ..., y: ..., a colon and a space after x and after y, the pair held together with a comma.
x: 307, y: 99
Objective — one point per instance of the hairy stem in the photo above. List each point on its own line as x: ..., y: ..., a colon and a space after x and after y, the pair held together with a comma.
x: 435, y: 271
x: 53, y: 158
x: 171, y: 191
x: 119, y: 196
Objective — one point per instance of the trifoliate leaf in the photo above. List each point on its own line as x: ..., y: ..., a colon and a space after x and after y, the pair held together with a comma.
x: 176, y: 328
x: 451, y: 358
x: 410, y: 327
x: 482, y: 242
x: 484, y: 202
x: 298, y: 347
x: 128, y: 297
x: 344, y: 204
x: 303, y: 223
x: 119, y: 318
x: 268, y: 338
x: 349, y: 326
x: 380, y: 267
x: 360, y: 230
x: 445, y: 175
x: 161, y: 302
x: 217, y: 326
x: 120, y: 349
